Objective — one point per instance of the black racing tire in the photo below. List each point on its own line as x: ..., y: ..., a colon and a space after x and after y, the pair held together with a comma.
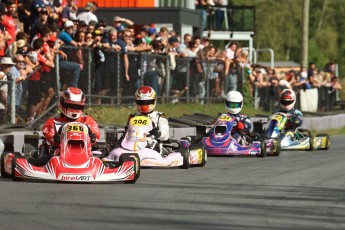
x: 4, y: 174
x: 311, y: 143
x: 278, y: 149
x: 14, y: 164
x: 328, y: 140
x: 185, y: 154
x: 263, y: 152
x: 136, y: 160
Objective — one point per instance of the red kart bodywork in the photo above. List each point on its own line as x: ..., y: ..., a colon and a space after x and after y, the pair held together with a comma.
x: 72, y: 162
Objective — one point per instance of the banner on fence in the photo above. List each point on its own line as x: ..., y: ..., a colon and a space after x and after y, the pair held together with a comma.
x: 309, y: 100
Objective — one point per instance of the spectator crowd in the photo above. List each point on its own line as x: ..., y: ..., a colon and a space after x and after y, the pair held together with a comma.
x: 124, y: 56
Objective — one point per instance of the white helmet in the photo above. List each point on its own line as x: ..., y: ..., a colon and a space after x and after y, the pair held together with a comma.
x: 233, y: 102
x: 72, y: 102
x: 287, y: 99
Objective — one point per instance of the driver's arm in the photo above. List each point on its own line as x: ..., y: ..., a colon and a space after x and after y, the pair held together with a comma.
x: 49, y: 131
x: 163, y: 126
x: 89, y: 121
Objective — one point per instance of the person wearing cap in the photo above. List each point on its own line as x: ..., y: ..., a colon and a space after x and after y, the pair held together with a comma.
x: 65, y: 65
x: 151, y: 35
x: 88, y: 14
x: 36, y: 7
x: 17, y: 46
x: 66, y: 34
x: 6, y: 64
x: 42, y: 22
x: 19, y: 72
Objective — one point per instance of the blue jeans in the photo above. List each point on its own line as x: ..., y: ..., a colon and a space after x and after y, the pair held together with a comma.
x: 231, y: 82
x: 69, y: 73
x: 151, y: 79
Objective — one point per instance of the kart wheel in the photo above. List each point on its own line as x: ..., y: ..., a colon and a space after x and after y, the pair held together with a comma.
x: 204, y: 157
x: 328, y: 140
x: 311, y: 143
x: 263, y: 152
x: 136, y: 160
x: 14, y: 164
x: 4, y: 174
x: 277, y: 152
x: 185, y: 154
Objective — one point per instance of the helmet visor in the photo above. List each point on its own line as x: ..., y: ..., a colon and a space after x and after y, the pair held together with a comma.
x: 71, y: 106
x: 233, y: 105
x: 285, y: 102
x: 145, y: 102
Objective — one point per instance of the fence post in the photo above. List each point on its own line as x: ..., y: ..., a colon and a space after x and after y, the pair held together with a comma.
x: 118, y: 75
x: 188, y: 80
x: 57, y: 68
x: 13, y: 100
x: 89, y: 76
x: 167, y: 80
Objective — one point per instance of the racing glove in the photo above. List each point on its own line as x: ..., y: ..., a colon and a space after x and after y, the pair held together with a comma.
x: 93, y: 138
x: 155, y: 132
x: 57, y: 138
x: 240, y: 125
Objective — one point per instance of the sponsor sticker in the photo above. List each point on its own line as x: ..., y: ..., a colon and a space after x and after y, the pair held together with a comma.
x: 73, y: 177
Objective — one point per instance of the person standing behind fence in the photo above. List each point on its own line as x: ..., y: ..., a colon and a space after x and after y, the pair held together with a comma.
x: 69, y: 12
x: 4, y: 35
x: 35, y: 87
x: 108, y: 78
x: 9, y: 22
x: 87, y: 15
x: 24, y: 14
x: 6, y: 64
x: 19, y: 73
x: 68, y: 66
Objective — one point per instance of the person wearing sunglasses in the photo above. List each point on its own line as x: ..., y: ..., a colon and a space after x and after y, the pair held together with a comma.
x: 233, y: 105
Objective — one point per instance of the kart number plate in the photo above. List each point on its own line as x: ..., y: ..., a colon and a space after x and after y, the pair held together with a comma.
x: 225, y: 118
x: 139, y: 121
x: 75, y: 128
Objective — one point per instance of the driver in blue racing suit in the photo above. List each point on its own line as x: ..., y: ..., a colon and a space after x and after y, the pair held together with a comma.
x: 287, y: 99
x: 233, y: 105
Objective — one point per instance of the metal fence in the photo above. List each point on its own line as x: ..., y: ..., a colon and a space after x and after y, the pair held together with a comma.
x: 101, y: 76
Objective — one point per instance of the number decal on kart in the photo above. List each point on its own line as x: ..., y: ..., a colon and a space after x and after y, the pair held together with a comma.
x: 225, y: 118
x: 323, y: 142
x: 139, y: 121
x: 75, y: 128
x: 277, y: 117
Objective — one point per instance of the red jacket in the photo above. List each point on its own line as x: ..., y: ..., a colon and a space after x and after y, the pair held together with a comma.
x: 53, y: 125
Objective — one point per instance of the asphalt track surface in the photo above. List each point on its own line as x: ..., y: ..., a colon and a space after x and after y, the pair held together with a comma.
x: 297, y: 190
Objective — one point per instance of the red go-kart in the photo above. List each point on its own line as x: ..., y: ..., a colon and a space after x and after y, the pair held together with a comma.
x: 73, y: 161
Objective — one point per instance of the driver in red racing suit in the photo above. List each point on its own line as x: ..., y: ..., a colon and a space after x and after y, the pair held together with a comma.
x: 71, y: 106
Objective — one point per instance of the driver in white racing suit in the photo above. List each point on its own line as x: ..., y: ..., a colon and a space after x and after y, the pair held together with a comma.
x: 145, y: 99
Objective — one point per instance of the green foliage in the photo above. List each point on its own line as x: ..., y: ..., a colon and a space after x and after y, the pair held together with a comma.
x: 279, y: 26
x: 119, y: 115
